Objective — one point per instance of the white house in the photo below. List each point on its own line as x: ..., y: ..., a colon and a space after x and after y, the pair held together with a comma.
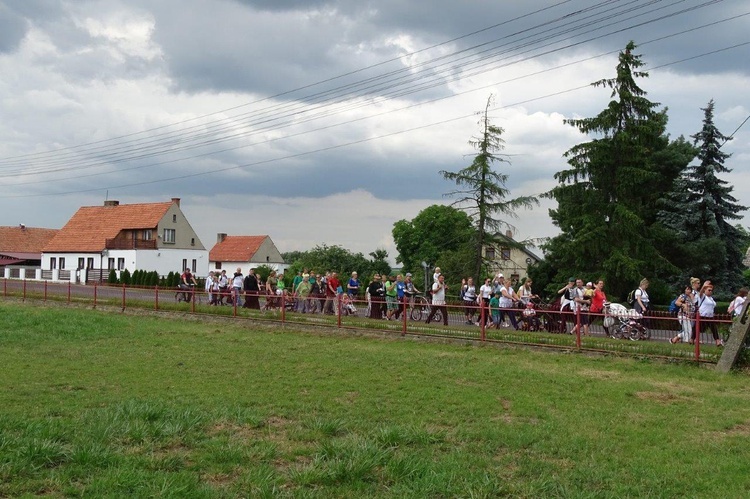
x: 245, y: 252
x: 145, y: 236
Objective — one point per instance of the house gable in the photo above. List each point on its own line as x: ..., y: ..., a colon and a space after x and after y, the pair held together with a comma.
x: 93, y: 229
x: 245, y: 249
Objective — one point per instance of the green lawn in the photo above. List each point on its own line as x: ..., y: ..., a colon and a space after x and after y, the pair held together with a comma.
x: 97, y: 403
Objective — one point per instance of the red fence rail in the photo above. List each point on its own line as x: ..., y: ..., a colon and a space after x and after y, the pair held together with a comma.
x: 546, y: 327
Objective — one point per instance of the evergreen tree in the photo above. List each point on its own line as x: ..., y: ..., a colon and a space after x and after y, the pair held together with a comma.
x: 607, y: 198
x: 482, y: 189
x: 699, y: 210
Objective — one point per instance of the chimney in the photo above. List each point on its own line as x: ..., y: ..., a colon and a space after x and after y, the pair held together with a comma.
x: 176, y: 201
x: 111, y: 202
x: 509, y: 234
x: 220, y: 237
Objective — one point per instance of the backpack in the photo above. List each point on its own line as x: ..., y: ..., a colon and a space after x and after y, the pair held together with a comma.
x: 631, y: 298
x: 673, y: 308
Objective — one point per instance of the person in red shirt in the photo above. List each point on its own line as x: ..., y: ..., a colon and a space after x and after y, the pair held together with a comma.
x: 597, y: 302
x: 332, y: 286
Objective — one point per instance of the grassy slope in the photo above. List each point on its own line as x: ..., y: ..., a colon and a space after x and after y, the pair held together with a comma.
x: 97, y: 403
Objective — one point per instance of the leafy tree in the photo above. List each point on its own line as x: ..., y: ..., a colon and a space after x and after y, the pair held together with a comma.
x: 112, y: 278
x: 380, y: 262
x: 334, y: 258
x: 481, y: 189
x: 607, y: 198
x: 431, y: 236
x: 700, y: 208
x: 125, y: 277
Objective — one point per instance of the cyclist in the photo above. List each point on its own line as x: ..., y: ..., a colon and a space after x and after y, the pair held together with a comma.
x: 187, y: 284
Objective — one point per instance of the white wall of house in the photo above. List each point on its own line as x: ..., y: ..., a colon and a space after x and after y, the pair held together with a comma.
x: 166, y: 261
x: 162, y: 261
x: 231, y: 267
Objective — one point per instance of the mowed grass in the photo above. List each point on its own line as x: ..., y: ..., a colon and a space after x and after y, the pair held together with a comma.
x: 96, y: 403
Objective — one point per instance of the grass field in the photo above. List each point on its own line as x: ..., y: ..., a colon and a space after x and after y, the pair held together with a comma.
x: 96, y: 403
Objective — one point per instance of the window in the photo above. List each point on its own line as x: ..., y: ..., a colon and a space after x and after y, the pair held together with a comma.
x: 90, y: 263
x: 505, y: 253
x: 489, y: 253
x: 194, y: 266
x: 184, y: 264
x: 169, y: 236
x: 120, y: 264
x: 52, y: 263
x: 62, y: 263
x: 192, y: 241
x: 174, y: 218
x: 110, y: 263
x: 218, y: 265
x: 80, y: 263
x: 147, y: 235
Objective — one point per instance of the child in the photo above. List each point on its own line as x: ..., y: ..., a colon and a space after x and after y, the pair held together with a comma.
x: 436, y: 274
x: 495, y: 309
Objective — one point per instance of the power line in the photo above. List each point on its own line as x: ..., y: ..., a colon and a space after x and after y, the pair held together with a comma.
x: 144, y: 152
x: 339, y: 146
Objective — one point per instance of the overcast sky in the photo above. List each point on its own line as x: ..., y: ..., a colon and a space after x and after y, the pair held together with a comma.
x: 326, y: 121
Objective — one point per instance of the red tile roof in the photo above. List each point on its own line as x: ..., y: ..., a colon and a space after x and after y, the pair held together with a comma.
x: 236, y: 249
x: 24, y: 240
x: 91, y: 226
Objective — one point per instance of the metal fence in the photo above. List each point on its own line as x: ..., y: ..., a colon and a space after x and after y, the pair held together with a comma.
x: 546, y: 327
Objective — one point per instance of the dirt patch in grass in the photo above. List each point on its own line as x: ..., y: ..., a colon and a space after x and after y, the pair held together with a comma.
x: 662, y: 397
x: 599, y: 374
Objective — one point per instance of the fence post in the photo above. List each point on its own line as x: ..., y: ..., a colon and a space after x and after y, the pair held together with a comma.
x: 338, y: 309
x: 235, y: 299
x: 403, y: 318
x: 697, y: 336
x: 95, y: 288
x: 192, y: 299
x: 156, y: 297
x: 578, y: 328
x: 283, y: 306
x: 483, y: 320
x: 69, y: 291
x: 123, y: 297
x: 45, y: 290
x: 24, y: 289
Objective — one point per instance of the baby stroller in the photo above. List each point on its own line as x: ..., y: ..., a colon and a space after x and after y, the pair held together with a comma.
x: 347, y: 305
x: 550, y: 318
x: 530, y: 320
x: 623, y: 323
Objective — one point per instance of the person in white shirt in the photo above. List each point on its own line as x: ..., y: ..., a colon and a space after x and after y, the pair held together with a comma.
x: 735, y: 308
x: 237, y: 282
x: 485, y: 293
x: 469, y: 293
x: 438, y: 300
x: 507, y: 298
x: 706, y: 307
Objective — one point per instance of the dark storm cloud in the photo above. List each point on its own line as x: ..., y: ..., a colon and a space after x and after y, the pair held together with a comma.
x: 270, y: 47
x: 12, y: 29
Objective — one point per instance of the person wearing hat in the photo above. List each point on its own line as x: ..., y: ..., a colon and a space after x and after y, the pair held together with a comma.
x: 352, y: 287
x: 566, y: 297
x: 377, y: 297
x: 410, y: 290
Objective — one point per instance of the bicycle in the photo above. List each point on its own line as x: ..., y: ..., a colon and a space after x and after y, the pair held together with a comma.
x: 185, y: 293
x: 420, y: 309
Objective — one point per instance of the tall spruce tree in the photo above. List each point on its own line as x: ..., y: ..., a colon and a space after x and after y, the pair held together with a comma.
x: 607, y: 198
x: 699, y: 210
x: 482, y: 192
